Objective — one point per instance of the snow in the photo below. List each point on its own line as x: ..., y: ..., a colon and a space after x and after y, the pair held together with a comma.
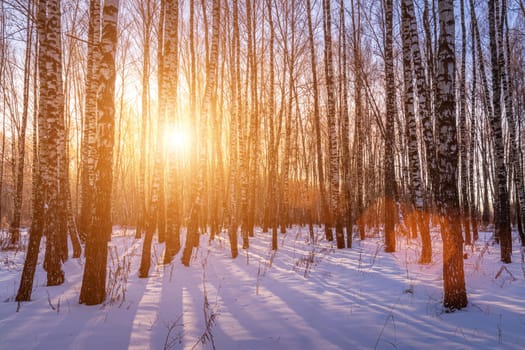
x: 304, y: 296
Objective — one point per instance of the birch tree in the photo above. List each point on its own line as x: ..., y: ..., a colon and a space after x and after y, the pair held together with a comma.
x: 93, y: 289
x: 37, y: 223
x: 389, y: 173
x: 464, y: 198
x: 332, y: 127
x: 233, y: 152
x: 171, y: 74
x: 19, y: 180
x: 517, y: 175
x: 501, y: 202
x: 455, y: 295
x: 144, y: 21
x: 166, y: 49
x: 410, y: 44
x: 50, y: 135
x: 198, y: 200
x: 359, y: 117
x: 345, y: 128
x: 88, y: 145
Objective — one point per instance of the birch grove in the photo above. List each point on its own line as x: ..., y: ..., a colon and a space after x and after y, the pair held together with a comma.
x: 221, y: 120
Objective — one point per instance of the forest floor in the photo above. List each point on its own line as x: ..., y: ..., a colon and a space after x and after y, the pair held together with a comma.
x: 304, y: 296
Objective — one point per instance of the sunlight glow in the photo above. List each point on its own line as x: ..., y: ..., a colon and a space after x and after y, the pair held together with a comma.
x: 177, y: 140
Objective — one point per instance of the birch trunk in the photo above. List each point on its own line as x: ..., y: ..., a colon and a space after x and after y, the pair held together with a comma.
x: 36, y: 230
x: 389, y: 174
x: 463, y: 135
x: 171, y: 73
x: 509, y: 109
x: 51, y: 135
x: 455, y: 295
x: 332, y: 127
x: 198, y: 201
x: 19, y: 188
x: 501, y: 202
x: 473, y: 135
x: 359, y: 116
x: 317, y: 125
x: 410, y: 44
x: 88, y: 144
x: 93, y: 289
x: 345, y: 131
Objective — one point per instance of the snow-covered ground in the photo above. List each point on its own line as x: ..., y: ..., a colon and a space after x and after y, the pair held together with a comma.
x: 304, y: 296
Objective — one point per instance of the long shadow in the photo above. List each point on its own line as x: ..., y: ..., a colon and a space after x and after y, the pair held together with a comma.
x: 101, y: 326
x: 370, y: 300
x: 241, y: 324
x: 172, y: 323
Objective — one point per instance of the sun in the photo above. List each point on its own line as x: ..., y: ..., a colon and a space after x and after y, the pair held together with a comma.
x: 177, y: 140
